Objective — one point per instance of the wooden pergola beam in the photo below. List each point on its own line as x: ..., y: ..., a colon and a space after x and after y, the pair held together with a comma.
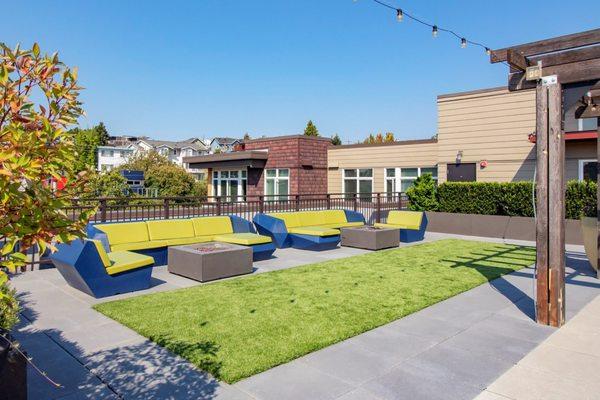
x: 559, y: 43
x: 580, y: 71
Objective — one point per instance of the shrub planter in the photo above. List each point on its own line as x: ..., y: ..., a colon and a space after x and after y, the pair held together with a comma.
x: 496, y: 226
x: 589, y: 230
x: 13, y: 371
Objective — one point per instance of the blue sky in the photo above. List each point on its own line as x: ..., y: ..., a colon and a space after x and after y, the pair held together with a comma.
x: 175, y: 69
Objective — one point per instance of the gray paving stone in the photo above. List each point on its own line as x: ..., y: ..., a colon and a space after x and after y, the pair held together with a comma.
x: 391, y: 344
x: 359, y: 394
x: 425, y: 327
x: 466, y: 366
x: 350, y: 362
x: 409, y: 382
x: 294, y: 381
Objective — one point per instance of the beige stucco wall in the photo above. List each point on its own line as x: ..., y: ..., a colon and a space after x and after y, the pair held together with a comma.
x: 490, y: 125
x: 377, y: 157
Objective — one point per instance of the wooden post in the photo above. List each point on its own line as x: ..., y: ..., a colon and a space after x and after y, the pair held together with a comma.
x: 556, y: 208
x: 102, y: 210
x: 378, y: 217
x: 166, y: 208
x: 550, y: 205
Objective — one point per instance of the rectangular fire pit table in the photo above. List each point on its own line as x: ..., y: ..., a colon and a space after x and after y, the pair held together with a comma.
x: 370, y: 237
x: 209, y: 261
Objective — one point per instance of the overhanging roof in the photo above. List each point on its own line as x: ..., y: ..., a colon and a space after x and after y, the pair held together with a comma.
x: 236, y: 159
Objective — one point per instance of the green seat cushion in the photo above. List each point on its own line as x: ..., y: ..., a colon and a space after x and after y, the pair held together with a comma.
x: 344, y: 225
x: 333, y: 217
x: 122, y: 261
x: 290, y: 219
x: 192, y: 240
x: 151, y: 244
x: 405, y: 219
x: 125, y: 232
x: 247, y: 239
x: 210, y: 226
x: 101, y: 252
x: 170, y: 229
x: 314, y: 231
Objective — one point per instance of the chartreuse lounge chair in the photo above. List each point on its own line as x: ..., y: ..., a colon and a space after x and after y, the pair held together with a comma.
x: 154, y: 237
x: 87, y: 266
x: 310, y: 230
x: 412, y: 224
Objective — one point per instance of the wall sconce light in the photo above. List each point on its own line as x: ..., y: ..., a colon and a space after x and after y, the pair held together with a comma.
x: 459, y: 156
x: 483, y: 164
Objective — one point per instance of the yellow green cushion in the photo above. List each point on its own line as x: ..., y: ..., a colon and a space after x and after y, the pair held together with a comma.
x: 170, y: 229
x: 343, y: 225
x: 122, y: 261
x: 153, y: 244
x: 126, y: 232
x: 310, y: 218
x: 247, y: 239
x: 333, y: 217
x: 101, y: 252
x: 314, y: 231
x: 291, y: 219
x: 192, y: 240
x: 209, y: 226
x: 406, y: 219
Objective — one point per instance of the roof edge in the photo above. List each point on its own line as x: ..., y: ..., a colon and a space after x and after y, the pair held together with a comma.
x: 396, y: 143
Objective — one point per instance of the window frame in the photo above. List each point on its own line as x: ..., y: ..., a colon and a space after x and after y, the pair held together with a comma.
x: 580, y: 164
x: 357, y: 179
x: 241, y: 179
x: 276, y: 179
x: 398, y: 177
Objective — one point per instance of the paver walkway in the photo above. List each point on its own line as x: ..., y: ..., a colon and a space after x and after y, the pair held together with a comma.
x: 452, y: 350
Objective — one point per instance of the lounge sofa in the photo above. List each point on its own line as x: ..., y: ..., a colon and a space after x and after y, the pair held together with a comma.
x: 153, y: 238
x: 412, y: 224
x: 310, y: 230
x: 87, y: 266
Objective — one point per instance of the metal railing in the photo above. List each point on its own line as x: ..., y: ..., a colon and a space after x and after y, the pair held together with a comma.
x: 374, y: 206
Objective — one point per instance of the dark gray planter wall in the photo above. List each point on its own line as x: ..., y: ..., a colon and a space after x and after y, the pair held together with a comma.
x: 496, y: 226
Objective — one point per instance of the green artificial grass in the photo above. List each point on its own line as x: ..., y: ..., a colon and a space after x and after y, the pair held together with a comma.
x: 239, y: 327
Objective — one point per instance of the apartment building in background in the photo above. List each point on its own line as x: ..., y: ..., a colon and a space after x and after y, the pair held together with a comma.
x: 485, y: 135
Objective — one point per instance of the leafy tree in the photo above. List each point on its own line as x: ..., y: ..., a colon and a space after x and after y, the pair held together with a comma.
x: 422, y: 194
x: 311, y: 129
x: 9, y: 307
x: 168, y: 178
x: 103, y: 135
x: 379, y: 138
x: 370, y: 139
x: 109, y: 184
x: 247, y: 136
x: 39, y: 101
x: 86, y: 142
x: 389, y: 137
x: 336, y: 140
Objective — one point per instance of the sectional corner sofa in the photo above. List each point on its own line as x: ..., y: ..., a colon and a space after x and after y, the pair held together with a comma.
x: 86, y: 265
x: 412, y: 224
x: 153, y: 237
x: 309, y: 230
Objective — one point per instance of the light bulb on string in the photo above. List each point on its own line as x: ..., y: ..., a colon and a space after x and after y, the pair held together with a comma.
x: 434, y: 31
x: 399, y: 15
x: 463, y: 43
x: 488, y: 51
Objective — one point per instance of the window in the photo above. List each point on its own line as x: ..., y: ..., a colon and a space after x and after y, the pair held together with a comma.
x: 588, y: 170
x: 400, y: 179
x: 277, y: 183
x: 358, y: 181
x: 572, y: 93
x: 230, y: 185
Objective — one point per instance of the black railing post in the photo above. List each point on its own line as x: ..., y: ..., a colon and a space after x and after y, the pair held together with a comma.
x: 218, y: 205
x: 355, y: 201
x: 328, y: 201
x: 166, y: 208
x: 378, y: 203
x: 399, y: 200
x: 261, y: 204
x: 297, y: 202
x: 103, y: 210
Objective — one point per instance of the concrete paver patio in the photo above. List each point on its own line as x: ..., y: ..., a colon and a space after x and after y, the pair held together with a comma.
x: 452, y: 350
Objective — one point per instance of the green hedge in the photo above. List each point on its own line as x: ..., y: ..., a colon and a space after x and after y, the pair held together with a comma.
x: 514, y: 198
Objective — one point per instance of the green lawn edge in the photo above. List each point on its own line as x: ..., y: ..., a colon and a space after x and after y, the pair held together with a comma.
x: 239, y: 327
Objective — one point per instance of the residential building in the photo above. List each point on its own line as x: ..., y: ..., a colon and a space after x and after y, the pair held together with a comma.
x: 484, y: 135
x: 111, y: 157
x: 274, y: 167
x: 224, y: 144
x: 177, y: 151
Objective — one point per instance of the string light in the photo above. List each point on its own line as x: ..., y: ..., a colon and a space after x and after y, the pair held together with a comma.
x: 399, y: 15
x: 435, y: 29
